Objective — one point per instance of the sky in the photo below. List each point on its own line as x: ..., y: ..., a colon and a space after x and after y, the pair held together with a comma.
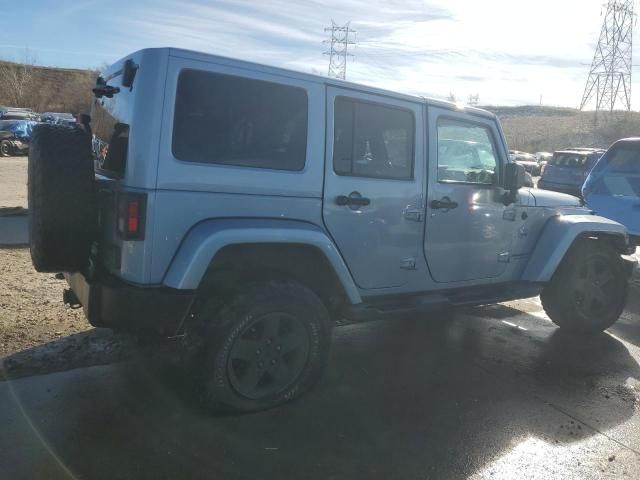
x: 508, y: 52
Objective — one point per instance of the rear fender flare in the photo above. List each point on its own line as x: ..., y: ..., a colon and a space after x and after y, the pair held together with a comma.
x: 206, y: 239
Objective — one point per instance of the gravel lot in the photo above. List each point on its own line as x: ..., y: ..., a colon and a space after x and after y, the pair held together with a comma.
x: 13, y: 182
x: 31, y: 309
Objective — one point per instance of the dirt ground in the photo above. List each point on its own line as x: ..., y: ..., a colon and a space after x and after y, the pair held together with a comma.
x: 31, y: 308
x: 13, y: 182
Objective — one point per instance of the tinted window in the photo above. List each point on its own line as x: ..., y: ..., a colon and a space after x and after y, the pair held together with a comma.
x: 618, y: 173
x: 372, y: 140
x: 465, y: 153
x: 111, y: 136
x: 571, y: 160
x: 624, y: 159
x: 237, y: 121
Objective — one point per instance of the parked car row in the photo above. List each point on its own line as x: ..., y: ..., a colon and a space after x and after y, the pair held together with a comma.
x: 15, y: 136
x: 10, y: 113
x: 607, y: 181
x: 16, y: 127
x: 14, y: 113
x: 532, y: 163
x: 567, y: 170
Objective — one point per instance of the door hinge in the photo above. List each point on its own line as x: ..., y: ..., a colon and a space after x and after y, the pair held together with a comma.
x: 408, y: 263
x: 504, y: 257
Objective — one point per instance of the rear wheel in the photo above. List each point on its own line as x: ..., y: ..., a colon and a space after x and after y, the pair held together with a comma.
x: 267, y: 347
x: 588, y: 292
x: 5, y: 148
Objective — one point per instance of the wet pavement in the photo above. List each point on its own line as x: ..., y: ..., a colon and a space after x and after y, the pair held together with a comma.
x: 491, y: 392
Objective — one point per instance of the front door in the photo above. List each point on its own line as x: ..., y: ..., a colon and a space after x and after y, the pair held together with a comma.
x: 469, y: 228
x: 373, y: 206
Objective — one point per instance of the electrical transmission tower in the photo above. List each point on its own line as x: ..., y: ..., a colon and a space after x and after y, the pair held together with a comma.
x: 338, y: 51
x: 609, y: 79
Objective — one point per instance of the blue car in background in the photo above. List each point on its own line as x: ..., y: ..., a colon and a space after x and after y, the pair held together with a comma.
x: 612, y: 189
x: 15, y: 136
x: 567, y: 170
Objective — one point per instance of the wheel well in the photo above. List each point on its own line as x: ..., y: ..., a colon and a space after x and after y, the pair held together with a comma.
x: 235, y: 265
x: 617, y: 241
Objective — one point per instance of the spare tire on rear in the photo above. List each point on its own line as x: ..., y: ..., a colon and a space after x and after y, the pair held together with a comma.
x: 61, y: 198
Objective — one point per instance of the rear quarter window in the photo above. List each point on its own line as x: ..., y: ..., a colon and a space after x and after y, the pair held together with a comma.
x: 570, y: 160
x: 230, y: 120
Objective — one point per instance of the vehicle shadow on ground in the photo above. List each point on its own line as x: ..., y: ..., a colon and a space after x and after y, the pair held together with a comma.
x: 431, y: 397
x: 99, y: 346
x: 628, y: 327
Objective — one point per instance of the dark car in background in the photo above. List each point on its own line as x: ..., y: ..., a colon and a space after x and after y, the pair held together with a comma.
x: 57, y: 117
x: 612, y: 189
x: 567, y: 170
x: 543, y: 158
x: 10, y: 113
x: 15, y: 136
x: 527, y: 160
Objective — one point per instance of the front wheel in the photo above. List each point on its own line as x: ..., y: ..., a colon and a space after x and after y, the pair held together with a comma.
x: 5, y: 148
x: 588, y: 292
x: 268, y: 347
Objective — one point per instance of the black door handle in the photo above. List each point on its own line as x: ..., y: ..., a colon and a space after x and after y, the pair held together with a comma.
x: 445, y: 204
x: 343, y: 200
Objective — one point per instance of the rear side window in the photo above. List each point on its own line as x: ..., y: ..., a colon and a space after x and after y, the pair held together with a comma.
x: 230, y: 120
x: 570, y: 160
x: 618, y: 173
x: 373, y: 140
x: 623, y: 159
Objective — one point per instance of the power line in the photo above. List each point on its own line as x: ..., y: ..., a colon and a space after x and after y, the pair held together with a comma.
x: 609, y: 79
x: 339, y: 50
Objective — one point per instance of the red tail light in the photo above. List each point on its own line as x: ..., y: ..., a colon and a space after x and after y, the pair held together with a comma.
x: 131, y: 215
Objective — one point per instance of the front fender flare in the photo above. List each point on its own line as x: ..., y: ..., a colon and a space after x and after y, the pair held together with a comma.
x: 557, y: 237
x: 201, y: 244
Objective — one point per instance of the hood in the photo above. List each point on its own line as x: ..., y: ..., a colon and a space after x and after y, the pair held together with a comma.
x: 545, y: 198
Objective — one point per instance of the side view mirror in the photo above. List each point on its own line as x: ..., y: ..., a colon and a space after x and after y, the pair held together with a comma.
x: 514, y: 177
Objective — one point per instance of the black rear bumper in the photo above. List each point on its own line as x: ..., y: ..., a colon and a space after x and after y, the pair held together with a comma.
x: 110, y: 302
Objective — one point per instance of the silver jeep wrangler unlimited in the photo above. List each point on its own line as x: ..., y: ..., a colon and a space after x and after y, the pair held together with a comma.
x: 251, y: 207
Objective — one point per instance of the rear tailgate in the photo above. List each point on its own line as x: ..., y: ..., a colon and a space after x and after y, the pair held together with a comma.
x: 126, y: 125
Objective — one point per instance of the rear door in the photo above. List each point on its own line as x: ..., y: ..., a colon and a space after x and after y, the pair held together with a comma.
x: 373, y: 206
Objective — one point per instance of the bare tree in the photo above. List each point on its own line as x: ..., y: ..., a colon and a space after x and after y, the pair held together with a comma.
x: 17, y: 79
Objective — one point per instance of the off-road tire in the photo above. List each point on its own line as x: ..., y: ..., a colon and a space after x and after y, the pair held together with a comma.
x: 5, y: 148
x: 234, y: 323
x: 62, y: 203
x: 591, y: 278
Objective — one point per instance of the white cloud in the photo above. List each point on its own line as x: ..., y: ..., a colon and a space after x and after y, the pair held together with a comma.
x: 509, y: 52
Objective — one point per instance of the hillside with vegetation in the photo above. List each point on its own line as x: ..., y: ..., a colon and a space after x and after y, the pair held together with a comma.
x: 533, y: 128
x: 45, y: 89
